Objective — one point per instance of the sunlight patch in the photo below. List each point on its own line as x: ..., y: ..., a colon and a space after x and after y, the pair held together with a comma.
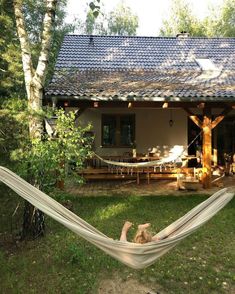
x: 110, y: 211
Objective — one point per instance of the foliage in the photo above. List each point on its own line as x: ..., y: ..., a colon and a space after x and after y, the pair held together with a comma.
x: 94, y: 25
x: 202, y: 263
x: 226, y: 23
x: 11, y: 75
x: 11, y: 72
x: 181, y: 20
x: 13, y: 129
x: 47, y: 160
x: 120, y: 21
x: 34, y: 11
x: 219, y: 23
x: 95, y: 7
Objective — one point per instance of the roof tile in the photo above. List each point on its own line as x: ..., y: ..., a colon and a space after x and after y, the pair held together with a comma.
x: 117, y: 66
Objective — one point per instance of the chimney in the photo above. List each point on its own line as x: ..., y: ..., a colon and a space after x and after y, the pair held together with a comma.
x: 91, y: 41
x: 182, y: 34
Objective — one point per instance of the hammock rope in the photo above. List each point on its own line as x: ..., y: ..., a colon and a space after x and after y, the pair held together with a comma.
x: 175, y: 154
x: 134, y: 255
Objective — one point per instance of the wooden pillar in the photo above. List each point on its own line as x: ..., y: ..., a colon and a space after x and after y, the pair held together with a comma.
x: 207, y: 125
x: 206, y: 148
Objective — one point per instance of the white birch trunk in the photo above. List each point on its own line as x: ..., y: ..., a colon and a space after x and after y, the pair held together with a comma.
x: 35, y: 79
x: 33, y: 222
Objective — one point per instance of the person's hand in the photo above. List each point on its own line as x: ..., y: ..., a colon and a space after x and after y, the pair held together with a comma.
x: 127, y: 225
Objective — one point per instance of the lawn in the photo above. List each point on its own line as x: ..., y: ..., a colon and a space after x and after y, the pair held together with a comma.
x: 62, y: 262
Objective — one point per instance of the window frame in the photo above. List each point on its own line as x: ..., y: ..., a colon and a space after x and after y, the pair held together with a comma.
x: 117, y: 117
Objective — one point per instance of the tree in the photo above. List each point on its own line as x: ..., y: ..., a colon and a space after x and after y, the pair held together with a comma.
x: 10, y: 63
x: 12, y: 129
x: 48, y: 160
x: 219, y: 23
x: 225, y: 26
x: 181, y: 20
x: 35, y: 77
x: 11, y: 73
x: 34, y: 12
x: 35, y: 45
x: 121, y: 21
x: 45, y: 160
x: 95, y: 24
x: 34, y: 82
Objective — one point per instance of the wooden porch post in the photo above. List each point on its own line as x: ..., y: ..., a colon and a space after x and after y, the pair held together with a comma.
x: 207, y: 125
x: 206, y: 148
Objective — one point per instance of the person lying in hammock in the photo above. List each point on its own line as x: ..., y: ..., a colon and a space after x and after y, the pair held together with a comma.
x: 142, y: 234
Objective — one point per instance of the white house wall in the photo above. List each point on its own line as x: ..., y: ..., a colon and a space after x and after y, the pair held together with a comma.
x: 152, y: 129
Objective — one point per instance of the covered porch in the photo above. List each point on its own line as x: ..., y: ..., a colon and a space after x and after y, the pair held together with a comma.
x: 173, y: 123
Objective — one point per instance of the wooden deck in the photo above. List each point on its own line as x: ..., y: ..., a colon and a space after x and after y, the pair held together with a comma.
x: 148, y: 174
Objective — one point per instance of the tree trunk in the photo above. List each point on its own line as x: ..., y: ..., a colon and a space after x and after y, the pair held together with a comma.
x: 35, y: 105
x: 33, y: 219
x: 33, y: 222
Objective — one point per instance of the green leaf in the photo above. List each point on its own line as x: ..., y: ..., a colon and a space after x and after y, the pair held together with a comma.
x: 92, y: 6
x: 95, y: 13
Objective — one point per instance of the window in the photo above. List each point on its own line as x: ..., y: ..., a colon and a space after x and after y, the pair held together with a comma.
x: 206, y: 64
x: 118, y: 130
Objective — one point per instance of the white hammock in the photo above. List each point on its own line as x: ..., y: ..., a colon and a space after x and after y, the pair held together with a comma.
x: 134, y: 255
x: 174, y: 155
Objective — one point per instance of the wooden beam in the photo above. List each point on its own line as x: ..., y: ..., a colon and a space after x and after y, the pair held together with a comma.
x: 201, y: 105
x: 188, y: 111
x: 216, y: 121
x: 79, y: 112
x: 193, y: 117
x: 219, y: 118
x: 196, y: 120
x: 137, y: 104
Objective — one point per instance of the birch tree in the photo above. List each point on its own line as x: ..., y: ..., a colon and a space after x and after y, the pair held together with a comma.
x: 34, y: 77
x: 120, y: 21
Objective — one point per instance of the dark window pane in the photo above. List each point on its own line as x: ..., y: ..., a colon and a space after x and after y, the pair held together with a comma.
x: 127, y: 130
x: 109, y: 130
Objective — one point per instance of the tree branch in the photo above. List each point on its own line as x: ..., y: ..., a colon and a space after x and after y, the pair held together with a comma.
x: 48, y: 22
x: 24, y: 43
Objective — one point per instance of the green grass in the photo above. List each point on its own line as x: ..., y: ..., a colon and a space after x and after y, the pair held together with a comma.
x: 61, y: 262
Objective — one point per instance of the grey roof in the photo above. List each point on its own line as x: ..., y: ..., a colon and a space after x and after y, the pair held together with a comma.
x: 108, y: 67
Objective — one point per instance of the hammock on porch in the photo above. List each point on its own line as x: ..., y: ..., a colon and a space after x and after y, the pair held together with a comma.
x: 174, y: 155
x: 137, y: 256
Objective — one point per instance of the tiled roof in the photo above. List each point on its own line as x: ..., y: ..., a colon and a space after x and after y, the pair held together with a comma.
x: 111, y: 67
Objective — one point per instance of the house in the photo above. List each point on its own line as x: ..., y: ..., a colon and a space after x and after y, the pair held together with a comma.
x: 147, y: 93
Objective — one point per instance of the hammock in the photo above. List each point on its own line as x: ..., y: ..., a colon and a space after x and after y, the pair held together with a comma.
x: 134, y: 255
x: 174, y: 155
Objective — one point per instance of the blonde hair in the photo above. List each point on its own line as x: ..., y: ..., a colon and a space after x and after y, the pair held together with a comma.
x: 142, y: 236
